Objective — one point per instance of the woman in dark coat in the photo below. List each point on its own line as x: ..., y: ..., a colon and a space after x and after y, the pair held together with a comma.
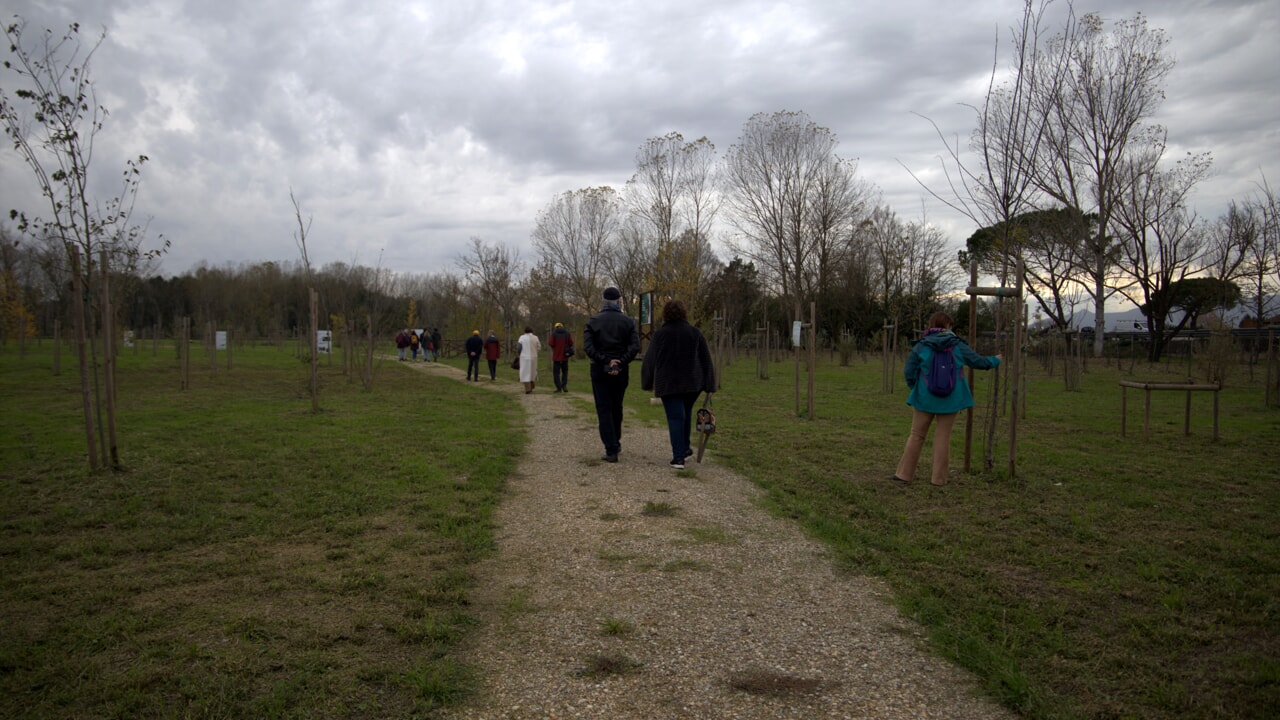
x: 492, y: 351
x: 677, y: 367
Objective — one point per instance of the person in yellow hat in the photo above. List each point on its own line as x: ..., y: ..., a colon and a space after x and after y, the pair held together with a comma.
x: 474, y: 346
x: 561, y: 344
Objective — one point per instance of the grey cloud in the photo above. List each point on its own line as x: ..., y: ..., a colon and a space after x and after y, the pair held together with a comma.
x: 409, y: 128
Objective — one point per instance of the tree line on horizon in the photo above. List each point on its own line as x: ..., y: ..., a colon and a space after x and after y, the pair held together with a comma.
x: 1065, y: 170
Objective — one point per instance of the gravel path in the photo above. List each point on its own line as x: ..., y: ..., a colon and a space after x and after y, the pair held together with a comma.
x: 630, y: 590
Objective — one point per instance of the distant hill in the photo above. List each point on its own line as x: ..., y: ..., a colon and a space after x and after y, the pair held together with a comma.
x: 1232, y: 317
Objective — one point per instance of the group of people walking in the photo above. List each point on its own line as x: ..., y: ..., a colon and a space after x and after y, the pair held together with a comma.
x: 528, y: 348
x: 410, y: 341
x: 678, y: 369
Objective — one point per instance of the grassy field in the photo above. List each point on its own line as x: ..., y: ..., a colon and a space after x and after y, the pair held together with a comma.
x: 1112, y: 578
x: 256, y: 560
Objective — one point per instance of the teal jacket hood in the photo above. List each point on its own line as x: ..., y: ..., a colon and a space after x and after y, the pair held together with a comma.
x: 921, y: 358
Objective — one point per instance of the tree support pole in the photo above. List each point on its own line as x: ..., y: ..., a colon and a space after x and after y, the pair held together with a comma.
x: 109, y: 364
x: 813, y: 351
x: 1016, y: 379
x: 86, y: 396
x: 973, y: 338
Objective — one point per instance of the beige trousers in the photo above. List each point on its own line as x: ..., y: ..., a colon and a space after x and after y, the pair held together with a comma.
x: 915, y: 443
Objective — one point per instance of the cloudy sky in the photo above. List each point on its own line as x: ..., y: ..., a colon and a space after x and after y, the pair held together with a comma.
x: 407, y: 128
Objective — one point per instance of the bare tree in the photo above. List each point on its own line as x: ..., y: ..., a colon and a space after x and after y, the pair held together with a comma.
x: 653, y: 193
x: 772, y: 175
x: 572, y: 233
x: 629, y: 260
x: 672, y: 195
x: 494, y: 272
x: 313, y: 322
x: 840, y: 201
x: 1007, y: 141
x: 1262, y: 267
x: 543, y: 293
x: 1245, y: 247
x: 1161, y: 239
x: 885, y: 237
x: 927, y: 269
x: 1111, y: 85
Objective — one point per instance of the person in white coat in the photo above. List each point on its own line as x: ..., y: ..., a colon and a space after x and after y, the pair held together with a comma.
x: 529, y: 348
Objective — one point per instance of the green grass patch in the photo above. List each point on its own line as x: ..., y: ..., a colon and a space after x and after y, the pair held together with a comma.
x: 710, y: 534
x: 1113, y: 577
x: 256, y: 559
x: 519, y: 602
x: 658, y: 509
x: 615, y: 627
x: 252, y: 558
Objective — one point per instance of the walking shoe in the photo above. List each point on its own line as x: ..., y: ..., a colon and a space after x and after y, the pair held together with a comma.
x: 677, y: 464
x: 688, y: 453
x: 609, y: 457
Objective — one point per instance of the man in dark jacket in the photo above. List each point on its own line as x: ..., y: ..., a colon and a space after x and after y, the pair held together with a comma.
x: 436, y: 338
x: 474, y: 346
x: 561, y: 344
x: 610, y: 341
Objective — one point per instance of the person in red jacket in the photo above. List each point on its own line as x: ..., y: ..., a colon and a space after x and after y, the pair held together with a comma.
x: 402, y: 342
x: 492, y: 351
x: 561, y: 343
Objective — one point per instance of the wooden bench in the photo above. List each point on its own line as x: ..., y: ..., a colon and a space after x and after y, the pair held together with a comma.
x: 1146, y: 414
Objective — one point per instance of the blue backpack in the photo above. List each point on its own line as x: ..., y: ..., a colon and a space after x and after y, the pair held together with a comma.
x: 941, y: 379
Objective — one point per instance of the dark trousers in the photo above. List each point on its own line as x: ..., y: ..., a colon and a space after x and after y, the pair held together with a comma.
x: 609, y: 390
x: 473, y: 366
x: 493, y: 369
x: 560, y: 374
x: 679, y: 409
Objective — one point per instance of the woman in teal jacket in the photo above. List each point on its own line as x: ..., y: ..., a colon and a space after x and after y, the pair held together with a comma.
x: 929, y: 407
